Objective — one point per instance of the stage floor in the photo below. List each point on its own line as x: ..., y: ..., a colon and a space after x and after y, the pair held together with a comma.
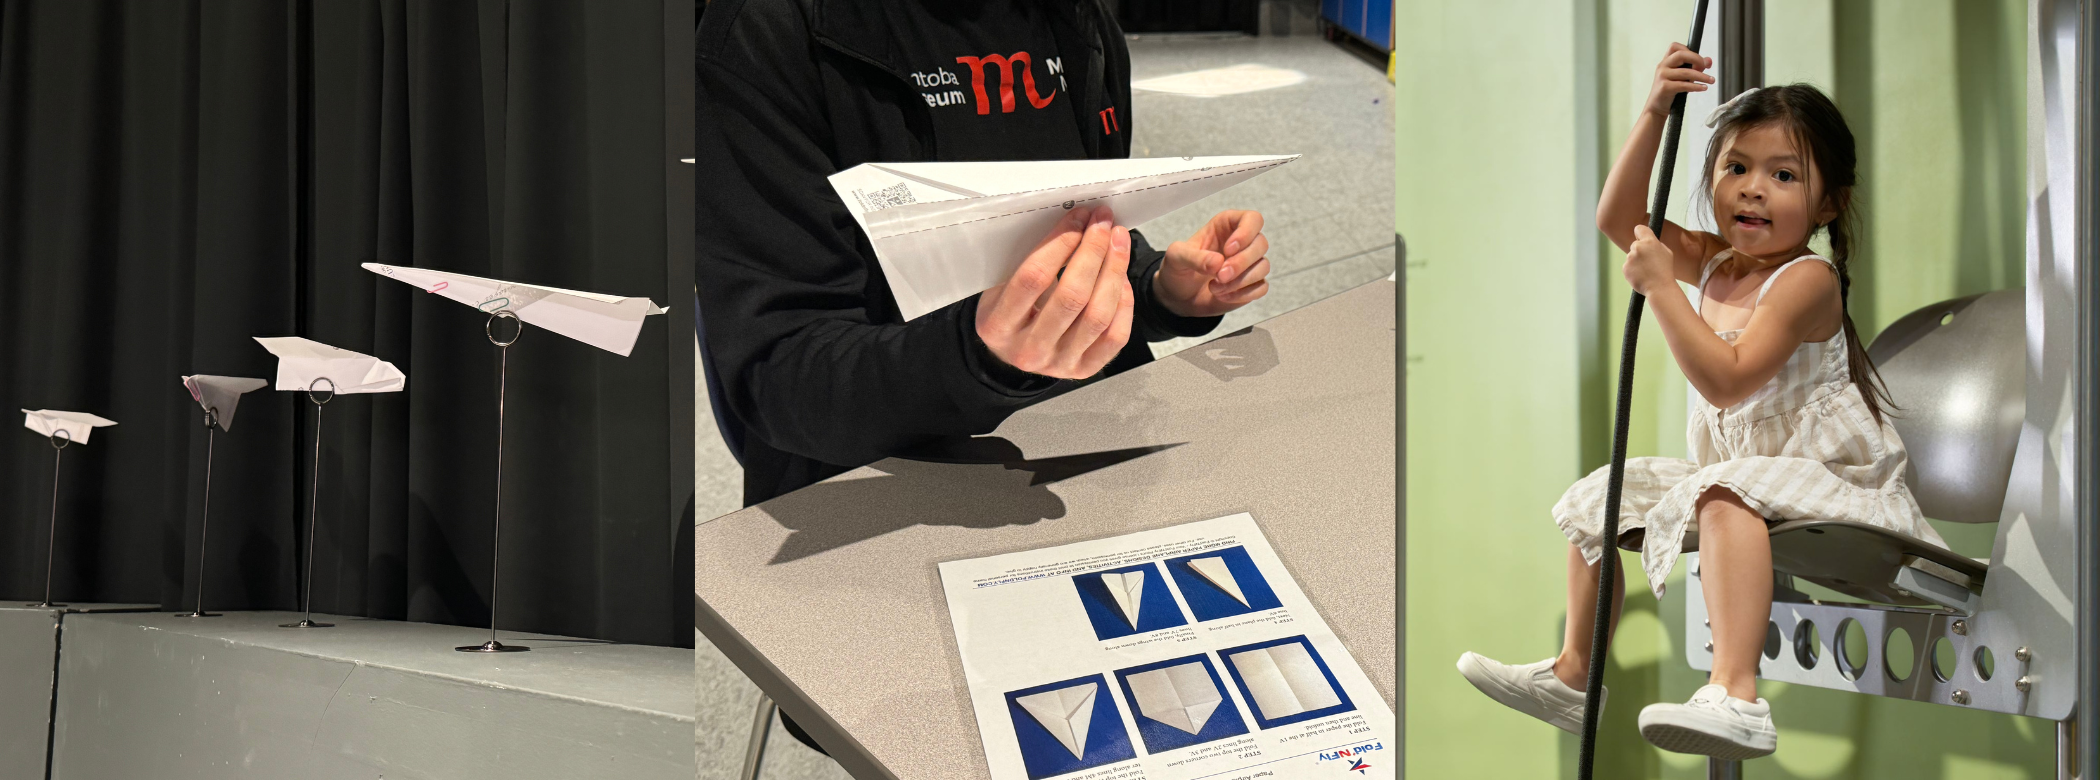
x: 159, y: 695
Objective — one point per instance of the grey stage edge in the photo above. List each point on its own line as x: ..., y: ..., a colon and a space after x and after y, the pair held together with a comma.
x: 29, y: 641
x: 162, y: 696
x: 829, y: 599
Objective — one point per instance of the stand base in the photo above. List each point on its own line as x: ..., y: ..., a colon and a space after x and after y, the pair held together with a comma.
x: 200, y: 614
x: 308, y: 623
x: 44, y: 605
x: 492, y: 646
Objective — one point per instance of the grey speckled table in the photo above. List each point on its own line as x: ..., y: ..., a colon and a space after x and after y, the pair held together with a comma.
x: 163, y: 696
x: 829, y: 598
x: 29, y: 641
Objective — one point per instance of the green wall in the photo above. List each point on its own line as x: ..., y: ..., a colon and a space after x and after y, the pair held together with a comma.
x: 1508, y: 114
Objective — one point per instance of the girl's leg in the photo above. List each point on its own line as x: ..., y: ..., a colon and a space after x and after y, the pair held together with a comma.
x: 1735, y: 570
x: 1573, y: 665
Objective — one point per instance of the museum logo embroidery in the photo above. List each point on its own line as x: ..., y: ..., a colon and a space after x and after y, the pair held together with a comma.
x: 1005, y: 67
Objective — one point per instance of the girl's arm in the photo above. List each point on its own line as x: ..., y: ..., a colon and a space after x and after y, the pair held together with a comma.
x: 1796, y: 309
x: 1622, y: 205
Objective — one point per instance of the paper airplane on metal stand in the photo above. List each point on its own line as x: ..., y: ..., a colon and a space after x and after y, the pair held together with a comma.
x: 608, y: 322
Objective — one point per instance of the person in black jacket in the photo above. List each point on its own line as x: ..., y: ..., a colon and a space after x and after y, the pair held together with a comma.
x: 816, y: 367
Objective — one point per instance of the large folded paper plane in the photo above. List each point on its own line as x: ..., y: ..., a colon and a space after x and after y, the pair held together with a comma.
x: 946, y: 231
x: 77, y: 425
x: 608, y: 322
x: 1179, y: 696
x: 1128, y: 589
x: 1285, y: 680
x: 1065, y: 713
x: 220, y: 394
x: 303, y: 362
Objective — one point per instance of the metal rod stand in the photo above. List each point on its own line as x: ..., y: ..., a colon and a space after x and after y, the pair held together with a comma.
x: 313, y: 506
x: 1717, y: 769
x: 761, y: 727
x: 59, y: 439
x: 211, y: 435
x: 496, y: 555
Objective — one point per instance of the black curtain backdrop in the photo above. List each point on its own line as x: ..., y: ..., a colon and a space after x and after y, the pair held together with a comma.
x: 177, y: 177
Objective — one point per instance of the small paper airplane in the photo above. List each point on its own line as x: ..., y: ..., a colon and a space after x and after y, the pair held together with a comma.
x: 1065, y: 713
x: 220, y: 394
x: 1214, y: 571
x: 608, y: 322
x: 1126, y: 588
x: 1284, y: 680
x: 77, y: 425
x: 302, y: 362
x: 1179, y: 696
x: 946, y: 231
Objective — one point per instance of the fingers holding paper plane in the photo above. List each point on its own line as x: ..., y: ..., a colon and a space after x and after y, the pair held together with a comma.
x: 1066, y: 311
x: 1222, y: 267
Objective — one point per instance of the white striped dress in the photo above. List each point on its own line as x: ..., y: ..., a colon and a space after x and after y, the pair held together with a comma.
x: 1803, y: 447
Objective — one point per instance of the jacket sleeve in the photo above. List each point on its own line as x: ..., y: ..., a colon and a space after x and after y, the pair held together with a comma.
x: 783, y: 277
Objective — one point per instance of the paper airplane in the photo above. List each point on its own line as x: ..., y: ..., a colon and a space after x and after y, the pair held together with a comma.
x: 1065, y: 713
x: 1214, y: 571
x: 302, y: 362
x: 1284, y: 680
x: 946, y: 231
x: 77, y: 425
x: 1126, y: 588
x: 220, y: 393
x: 1179, y: 696
x: 608, y: 322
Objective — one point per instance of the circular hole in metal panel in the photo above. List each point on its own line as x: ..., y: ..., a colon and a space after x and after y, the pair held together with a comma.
x: 1851, y: 649
x: 1808, y: 645
x: 1985, y: 664
x: 1772, y: 640
x: 1898, y: 655
x: 1943, y: 659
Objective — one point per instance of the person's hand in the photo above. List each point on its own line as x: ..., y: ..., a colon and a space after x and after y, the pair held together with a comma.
x: 1681, y: 70
x: 1066, y: 311
x: 1221, y: 268
x: 1649, y: 262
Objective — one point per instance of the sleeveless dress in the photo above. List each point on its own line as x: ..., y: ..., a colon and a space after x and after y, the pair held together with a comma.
x: 1803, y: 447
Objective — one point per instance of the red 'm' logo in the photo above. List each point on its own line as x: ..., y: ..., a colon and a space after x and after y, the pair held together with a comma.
x: 1005, y: 66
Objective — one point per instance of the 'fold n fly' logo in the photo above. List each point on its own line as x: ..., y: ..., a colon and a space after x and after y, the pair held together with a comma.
x: 1354, y: 756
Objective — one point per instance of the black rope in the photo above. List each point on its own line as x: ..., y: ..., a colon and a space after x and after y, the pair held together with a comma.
x: 1608, y: 560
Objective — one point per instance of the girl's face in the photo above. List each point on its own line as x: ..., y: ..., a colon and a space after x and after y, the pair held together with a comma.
x: 1768, y: 196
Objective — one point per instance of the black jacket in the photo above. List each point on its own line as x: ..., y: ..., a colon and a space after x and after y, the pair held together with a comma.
x: 813, y: 361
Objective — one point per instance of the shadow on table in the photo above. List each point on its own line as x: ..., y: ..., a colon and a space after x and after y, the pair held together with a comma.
x: 981, y: 482
x: 1246, y: 352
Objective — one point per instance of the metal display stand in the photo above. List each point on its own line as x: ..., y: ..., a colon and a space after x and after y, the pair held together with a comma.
x: 59, y: 439
x: 313, y: 514
x: 211, y: 431
x: 496, y: 553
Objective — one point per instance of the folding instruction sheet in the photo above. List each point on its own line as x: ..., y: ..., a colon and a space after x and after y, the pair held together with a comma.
x: 1180, y: 653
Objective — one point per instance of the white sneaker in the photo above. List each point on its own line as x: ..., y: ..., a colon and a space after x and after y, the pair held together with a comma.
x: 1530, y: 689
x: 1712, y: 724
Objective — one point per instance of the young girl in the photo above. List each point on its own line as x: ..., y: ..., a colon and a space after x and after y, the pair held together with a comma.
x: 1793, y: 426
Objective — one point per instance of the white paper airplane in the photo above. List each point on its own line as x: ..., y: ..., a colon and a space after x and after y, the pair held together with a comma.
x: 220, y: 393
x: 946, y: 231
x: 77, y: 425
x: 302, y: 362
x: 1214, y: 571
x: 608, y: 322
x: 1284, y: 680
x: 1179, y: 696
x: 1126, y: 588
x: 1065, y: 712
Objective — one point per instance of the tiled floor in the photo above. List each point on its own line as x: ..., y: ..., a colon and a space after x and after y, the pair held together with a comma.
x: 1328, y: 216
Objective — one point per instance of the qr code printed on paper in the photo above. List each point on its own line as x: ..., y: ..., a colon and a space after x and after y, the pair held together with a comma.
x: 894, y: 195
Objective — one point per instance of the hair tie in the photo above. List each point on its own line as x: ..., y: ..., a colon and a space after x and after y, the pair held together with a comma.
x: 1715, y: 117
